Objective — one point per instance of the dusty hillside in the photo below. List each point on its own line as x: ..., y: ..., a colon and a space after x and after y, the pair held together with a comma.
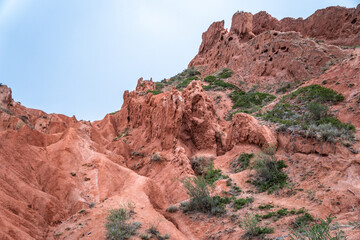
x: 283, y: 93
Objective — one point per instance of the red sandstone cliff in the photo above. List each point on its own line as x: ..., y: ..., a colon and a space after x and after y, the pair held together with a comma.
x: 60, y: 176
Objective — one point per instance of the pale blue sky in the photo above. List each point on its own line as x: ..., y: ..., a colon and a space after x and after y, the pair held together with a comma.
x: 76, y: 57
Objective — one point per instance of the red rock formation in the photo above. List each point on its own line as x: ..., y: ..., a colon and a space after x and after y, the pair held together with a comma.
x: 335, y: 25
x: 241, y: 25
x: 245, y: 128
x: 144, y: 85
x: 212, y: 36
x: 53, y: 166
x: 269, y: 58
x: 251, y: 51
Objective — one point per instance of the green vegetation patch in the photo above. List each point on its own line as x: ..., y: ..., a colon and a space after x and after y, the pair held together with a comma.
x: 154, y: 92
x: 306, y: 110
x: 319, y: 230
x: 269, y: 173
x: 200, y: 199
x: 242, y: 162
x: 187, y: 73
x: 250, y: 102
x: 212, y: 175
x: 266, y: 207
x: 219, y: 85
x: 225, y: 73
x: 242, y: 202
x: 118, y: 226
x: 251, y: 225
x: 316, y: 93
x: 186, y: 82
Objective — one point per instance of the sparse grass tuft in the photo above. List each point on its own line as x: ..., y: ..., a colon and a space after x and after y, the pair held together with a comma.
x: 320, y: 230
x: 269, y: 173
x: 242, y: 202
x: 252, y: 226
x: 303, y: 220
x: 242, y: 162
x: 117, y: 225
x: 200, y: 199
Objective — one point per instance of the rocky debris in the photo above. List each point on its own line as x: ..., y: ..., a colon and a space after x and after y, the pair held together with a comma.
x: 246, y: 129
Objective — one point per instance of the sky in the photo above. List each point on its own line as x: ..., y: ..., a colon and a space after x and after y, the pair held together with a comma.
x: 77, y: 57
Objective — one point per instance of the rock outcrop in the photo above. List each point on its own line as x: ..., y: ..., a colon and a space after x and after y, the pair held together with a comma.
x: 334, y: 25
x: 245, y: 128
x: 260, y: 45
x: 59, y: 177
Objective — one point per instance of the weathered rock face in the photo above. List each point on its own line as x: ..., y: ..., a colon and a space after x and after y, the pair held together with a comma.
x: 166, y: 119
x: 5, y: 97
x: 335, y: 25
x: 270, y: 58
x: 285, y: 53
x: 241, y: 25
x: 53, y: 166
x: 245, y: 128
x: 144, y: 86
x: 212, y: 36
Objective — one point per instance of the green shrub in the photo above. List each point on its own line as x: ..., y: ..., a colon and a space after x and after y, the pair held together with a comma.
x: 154, y: 92
x: 269, y: 174
x: 184, y: 83
x: 200, y: 199
x: 303, y: 220
x: 242, y: 202
x: 252, y: 226
x: 266, y: 207
x: 317, y: 110
x: 212, y: 175
x: 187, y: 73
x: 282, y: 212
x: 314, y: 121
x: 117, y: 225
x: 316, y: 93
x: 242, y: 162
x: 250, y: 102
x: 329, y: 133
x: 210, y: 79
x: 222, y: 200
x: 160, y: 85
x: 320, y: 230
x: 225, y: 73
x: 268, y: 215
x: 172, y: 209
x: 219, y: 85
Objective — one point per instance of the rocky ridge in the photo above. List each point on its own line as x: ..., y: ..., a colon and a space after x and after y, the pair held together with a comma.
x: 60, y: 176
